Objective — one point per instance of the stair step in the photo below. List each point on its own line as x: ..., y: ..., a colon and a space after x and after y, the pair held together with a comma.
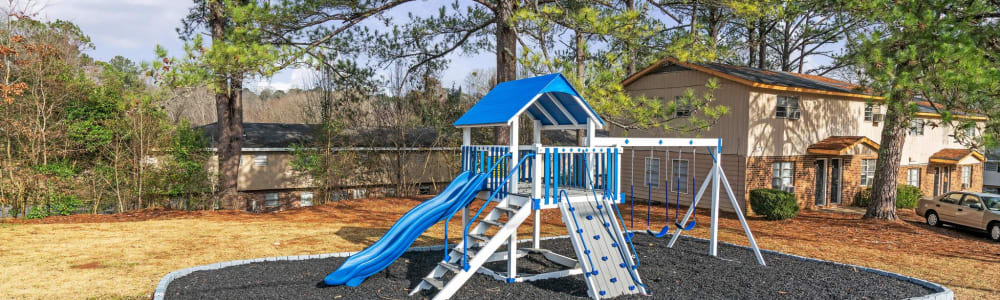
x: 494, y: 223
x: 509, y: 210
x: 437, y: 283
x: 480, y: 237
x: 450, y: 267
x: 471, y: 252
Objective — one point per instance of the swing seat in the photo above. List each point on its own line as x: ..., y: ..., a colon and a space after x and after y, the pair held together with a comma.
x: 663, y: 232
x: 689, y: 226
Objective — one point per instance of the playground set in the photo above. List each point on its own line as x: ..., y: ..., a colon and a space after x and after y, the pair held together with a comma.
x: 583, y: 182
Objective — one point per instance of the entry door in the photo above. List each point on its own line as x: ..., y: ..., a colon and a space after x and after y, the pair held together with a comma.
x: 835, y: 175
x: 820, y: 182
x: 937, y: 181
x: 946, y: 183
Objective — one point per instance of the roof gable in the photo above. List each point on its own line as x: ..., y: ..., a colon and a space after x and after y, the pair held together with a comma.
x: 843, y: 145
x: 955, y: 156
x: 550, y: 99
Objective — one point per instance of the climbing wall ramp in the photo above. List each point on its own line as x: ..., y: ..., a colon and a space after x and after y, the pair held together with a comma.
x: 601, y: 249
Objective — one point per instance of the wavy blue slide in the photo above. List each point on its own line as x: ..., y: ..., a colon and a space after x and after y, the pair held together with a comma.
x: 407, y: 229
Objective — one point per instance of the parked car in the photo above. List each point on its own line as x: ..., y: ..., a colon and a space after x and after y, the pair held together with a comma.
x: 980, y: 211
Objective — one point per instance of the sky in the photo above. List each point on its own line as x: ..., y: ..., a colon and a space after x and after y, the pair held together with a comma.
x: 132, y: 29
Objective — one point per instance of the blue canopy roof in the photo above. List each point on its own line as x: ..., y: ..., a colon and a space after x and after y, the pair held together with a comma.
x: 548, y: 98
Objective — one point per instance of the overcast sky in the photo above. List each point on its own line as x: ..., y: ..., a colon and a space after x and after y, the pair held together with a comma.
x: 132, y: 28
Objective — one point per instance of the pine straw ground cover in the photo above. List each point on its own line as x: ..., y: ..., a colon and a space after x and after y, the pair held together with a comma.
x: 124, y: 256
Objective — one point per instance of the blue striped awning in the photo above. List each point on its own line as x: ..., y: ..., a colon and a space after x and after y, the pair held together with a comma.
x: 550, y: 99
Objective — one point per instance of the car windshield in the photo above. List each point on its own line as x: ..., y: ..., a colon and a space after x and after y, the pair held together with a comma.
x: 992, y: 203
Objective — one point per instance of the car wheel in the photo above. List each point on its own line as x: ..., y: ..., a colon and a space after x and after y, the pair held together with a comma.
x: 933, y: 220
x: 995, y: 231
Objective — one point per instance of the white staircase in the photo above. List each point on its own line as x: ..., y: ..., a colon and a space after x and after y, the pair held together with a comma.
x: 517, y: 210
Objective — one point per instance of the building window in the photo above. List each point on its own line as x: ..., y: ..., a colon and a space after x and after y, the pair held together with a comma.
x: 913, y: 177
x: 966, y: 177
x: 867, y: 172
x: 782, y: 176
x: 271, y: 199
x: 992, y: 166
x: 869, y: 111
x: 788, y: 108
x: 306, y: 199
x: 970, y: 131
x: 682, y: 108
x: 652, y: 172
x: 260, y: 160
x: 917, y: 127
x: 680, y: 172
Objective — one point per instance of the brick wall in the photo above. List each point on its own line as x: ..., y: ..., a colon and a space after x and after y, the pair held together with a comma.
x: 954, y: 179
x: 760, y: 168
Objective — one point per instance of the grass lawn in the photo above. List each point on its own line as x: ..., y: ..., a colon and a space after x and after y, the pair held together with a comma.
x: 124, y: 256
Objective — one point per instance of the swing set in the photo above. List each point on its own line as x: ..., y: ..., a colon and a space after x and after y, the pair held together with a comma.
x: 666, y: 192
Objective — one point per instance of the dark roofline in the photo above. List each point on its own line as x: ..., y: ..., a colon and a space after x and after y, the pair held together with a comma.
x: 724, y: 71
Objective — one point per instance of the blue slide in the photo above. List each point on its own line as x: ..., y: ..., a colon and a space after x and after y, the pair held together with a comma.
x: 407, y: 229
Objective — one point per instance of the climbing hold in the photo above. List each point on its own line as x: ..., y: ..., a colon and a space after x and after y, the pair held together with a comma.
x: 614, y: 245
x: 586, y: 251
x: 579, y: 231
x: 603, y: 293
x: 594, y: 272
x: 572, y: 209
x: 606, y: 224
x: 622, y: 265
x: 597, y: 237
x: 614, y: 279
x: 631, y: 287
x: 600, y: 206
x: 604, y: 258
x: 590, y: 217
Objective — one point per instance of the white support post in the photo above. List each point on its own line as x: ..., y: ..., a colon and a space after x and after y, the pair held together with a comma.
x: 512, y: 187
x: 713, y: 249
x: 690, y: 211
x: 466, y: 141
x: 466, y: 136
x: 536, y: 193
x: 743, y: 220
x: 536, y: 184
x: 591, y: 131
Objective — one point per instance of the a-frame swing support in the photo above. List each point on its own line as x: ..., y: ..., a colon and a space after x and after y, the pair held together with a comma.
x: 717, y: 179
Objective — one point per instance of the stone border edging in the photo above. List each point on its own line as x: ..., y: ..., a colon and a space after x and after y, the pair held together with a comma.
x: 940, y: 292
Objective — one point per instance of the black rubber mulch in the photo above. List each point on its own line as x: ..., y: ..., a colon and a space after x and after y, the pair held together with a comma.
x: 684, y: 272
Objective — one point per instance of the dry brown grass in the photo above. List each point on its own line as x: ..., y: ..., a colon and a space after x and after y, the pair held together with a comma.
x: 104, y: 258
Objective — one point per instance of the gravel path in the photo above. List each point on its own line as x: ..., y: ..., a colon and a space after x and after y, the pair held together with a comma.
x: 684, y: 272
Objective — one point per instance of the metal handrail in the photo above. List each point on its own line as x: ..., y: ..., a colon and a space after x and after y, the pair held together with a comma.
x: 465, y: 233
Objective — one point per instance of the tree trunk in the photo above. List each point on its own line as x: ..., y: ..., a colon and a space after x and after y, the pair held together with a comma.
x: 230, y: 135
x: 580, y: 56
x: 506, y: 54
x: 506, y: 42
x: 762, y: 46
x: 883, y: 203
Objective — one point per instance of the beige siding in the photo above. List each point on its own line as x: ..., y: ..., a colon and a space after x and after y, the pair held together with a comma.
x: 822, y: 117
x: 825, y: 116
x: 731, y: 128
